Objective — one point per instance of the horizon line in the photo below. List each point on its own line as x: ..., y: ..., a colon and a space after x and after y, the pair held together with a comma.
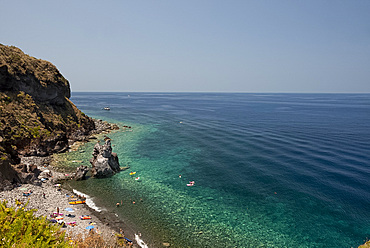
x: 219, y: 92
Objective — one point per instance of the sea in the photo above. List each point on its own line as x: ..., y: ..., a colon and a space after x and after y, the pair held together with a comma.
x: 234, y: 169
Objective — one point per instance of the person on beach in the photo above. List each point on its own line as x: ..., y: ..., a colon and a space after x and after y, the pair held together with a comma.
x: 43, y: 194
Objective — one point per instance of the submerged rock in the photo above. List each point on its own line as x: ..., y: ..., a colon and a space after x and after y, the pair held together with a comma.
x: 104, y: 162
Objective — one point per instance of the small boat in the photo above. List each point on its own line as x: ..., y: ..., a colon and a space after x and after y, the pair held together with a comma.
x: 138, y: 178
x: 128, y: 240
x: 85, y: 217
x: 132, y: 173
x: 76, y: 202
x: 106, y: 108
x: 191, y: 183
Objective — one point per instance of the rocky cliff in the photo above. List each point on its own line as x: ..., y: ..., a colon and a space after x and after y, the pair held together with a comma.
x: 36, y: 77
x: 36, y: 116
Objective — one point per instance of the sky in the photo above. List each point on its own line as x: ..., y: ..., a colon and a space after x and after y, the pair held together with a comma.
x: 292, y: 46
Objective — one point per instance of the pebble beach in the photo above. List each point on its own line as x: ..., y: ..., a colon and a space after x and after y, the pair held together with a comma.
x: 52, y: 196
x: 48, y: 199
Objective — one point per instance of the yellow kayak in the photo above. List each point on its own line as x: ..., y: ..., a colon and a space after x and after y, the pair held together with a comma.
x: 77, y: 202
x: 132, y: 173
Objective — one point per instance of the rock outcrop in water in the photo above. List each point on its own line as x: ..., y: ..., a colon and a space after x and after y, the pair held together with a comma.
x: 104, y: 162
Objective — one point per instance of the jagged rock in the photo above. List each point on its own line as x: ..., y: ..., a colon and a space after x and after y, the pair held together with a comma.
x: 8, y: 175
x: 44, y: 161
x: 101, y: 126
x: 30, y: 178
x: 104, y: 162
x: 23, y: 168
x: 81, y: 172
x: 33, y: 168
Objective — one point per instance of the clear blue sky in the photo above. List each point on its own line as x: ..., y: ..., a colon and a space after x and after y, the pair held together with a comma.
x: 200, y: 45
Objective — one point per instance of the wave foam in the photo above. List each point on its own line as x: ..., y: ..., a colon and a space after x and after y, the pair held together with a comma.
x: 89, y: 201
x: 140, y: 242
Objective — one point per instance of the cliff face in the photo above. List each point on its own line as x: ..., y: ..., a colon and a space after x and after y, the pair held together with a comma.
x: 36, y: 77
x: 36, y: 116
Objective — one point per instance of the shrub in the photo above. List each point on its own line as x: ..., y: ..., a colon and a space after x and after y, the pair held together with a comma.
x: 20, y: 228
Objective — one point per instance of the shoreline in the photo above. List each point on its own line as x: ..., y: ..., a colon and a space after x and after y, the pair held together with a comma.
x: 55, y: 199
x: 105, y: 222
x: 48, y: 198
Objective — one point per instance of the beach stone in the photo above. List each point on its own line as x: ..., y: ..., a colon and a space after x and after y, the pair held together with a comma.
x: 45, y: 174
x: 104, y: 162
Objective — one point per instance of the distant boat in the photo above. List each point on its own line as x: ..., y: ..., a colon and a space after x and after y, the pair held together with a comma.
x: 106, y: 108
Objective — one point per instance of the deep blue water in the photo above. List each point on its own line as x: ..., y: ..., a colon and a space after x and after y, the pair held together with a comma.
x: 270, y: 170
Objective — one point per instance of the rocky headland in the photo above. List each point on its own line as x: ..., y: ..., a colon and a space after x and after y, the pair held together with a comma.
x: 37, y: 118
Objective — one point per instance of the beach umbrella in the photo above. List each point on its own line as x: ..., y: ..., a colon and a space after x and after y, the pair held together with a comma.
x: 59, y: 218
x: 89, y: 227
x: 69, y: 209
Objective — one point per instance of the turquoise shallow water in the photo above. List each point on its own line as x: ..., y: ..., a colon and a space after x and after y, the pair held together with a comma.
x: 279, y: 170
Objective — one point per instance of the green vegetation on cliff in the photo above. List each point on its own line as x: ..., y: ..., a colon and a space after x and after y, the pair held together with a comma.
x: 25, y: 124
x: 14, y: 64
x: 36, y: 115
